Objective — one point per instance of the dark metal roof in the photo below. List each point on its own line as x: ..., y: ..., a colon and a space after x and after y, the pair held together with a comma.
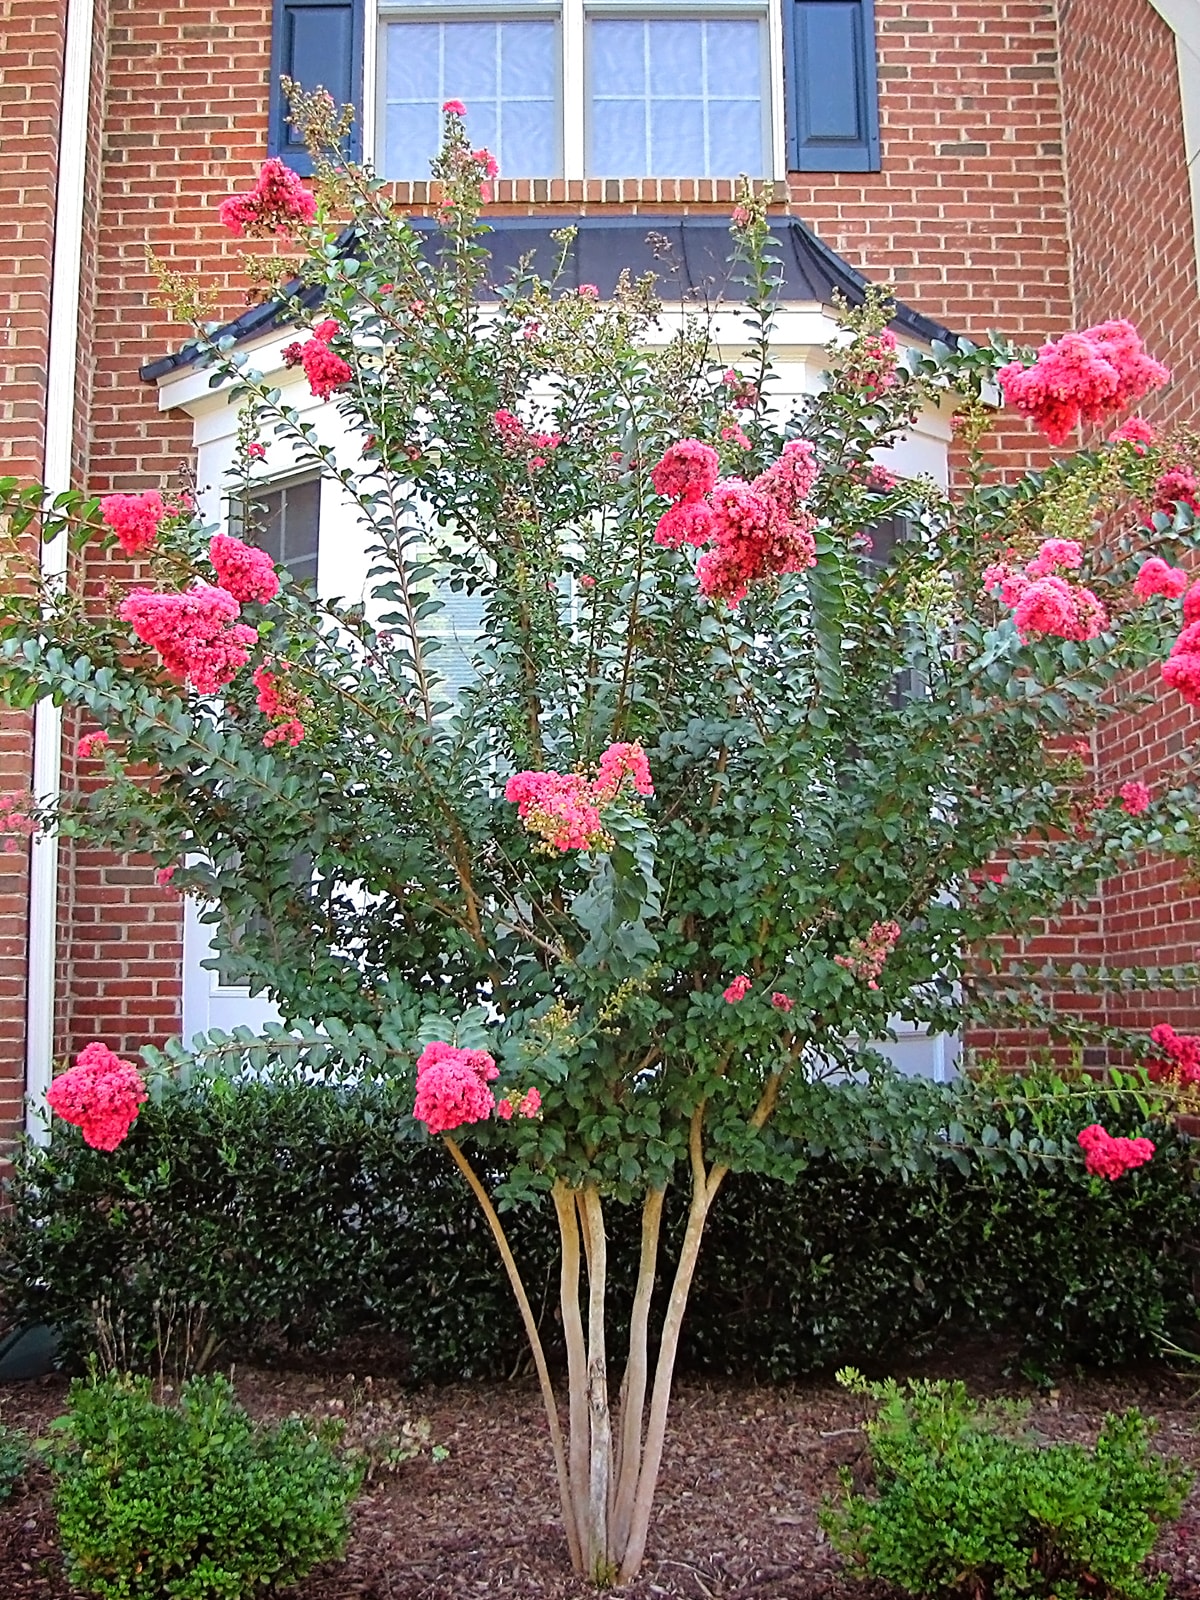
x: 688, y: 254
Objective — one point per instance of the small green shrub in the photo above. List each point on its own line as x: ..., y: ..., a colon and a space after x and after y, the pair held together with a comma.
x: 966, y: 1503
x: 192, y: 1501
x: 14, y: 1453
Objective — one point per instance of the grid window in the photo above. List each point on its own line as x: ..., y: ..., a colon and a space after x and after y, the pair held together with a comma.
x: 284, y: 520
x: 506, y: 69
x: 607, y: 89
x: 676, y: 97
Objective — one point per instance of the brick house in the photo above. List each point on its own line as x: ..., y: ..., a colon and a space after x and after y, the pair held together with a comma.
x: 1022, y: 165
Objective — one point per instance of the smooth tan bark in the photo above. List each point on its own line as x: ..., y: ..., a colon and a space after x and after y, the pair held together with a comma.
x: 633, y: 1384
x: 596, y: 1541
x: 704, y: 1188
x: 573, y: 1338
x: 535, y: 1345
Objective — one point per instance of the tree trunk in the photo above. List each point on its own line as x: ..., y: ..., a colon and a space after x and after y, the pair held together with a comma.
x: 607, y: 1503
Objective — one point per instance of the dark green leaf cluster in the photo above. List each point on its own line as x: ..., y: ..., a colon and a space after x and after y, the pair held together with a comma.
x: 191, y: 1501
x: 288, y: 1211
x: 966, y: 1503
x: 14, y: 1457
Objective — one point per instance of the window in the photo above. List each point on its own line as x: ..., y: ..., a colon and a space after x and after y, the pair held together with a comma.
x: 284, y: 519
x: 677, y: 96
x: 594, y: 88
x: 602, y: 88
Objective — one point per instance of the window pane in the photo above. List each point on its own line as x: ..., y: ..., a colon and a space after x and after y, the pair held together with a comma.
x: 676, y: 52
x: 677, y: 137
x: 505, y: 71
x: 734, y: 136
x: 471, y: 68
x: 675, y: 98
x: 413, y: 73
x: 618, y: 141
x: 618, y: 58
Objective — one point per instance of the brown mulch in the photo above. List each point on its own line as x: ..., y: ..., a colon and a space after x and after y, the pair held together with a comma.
x: 744, y: 1473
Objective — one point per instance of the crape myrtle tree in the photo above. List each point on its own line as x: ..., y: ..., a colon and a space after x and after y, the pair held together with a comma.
x: 729, y: 792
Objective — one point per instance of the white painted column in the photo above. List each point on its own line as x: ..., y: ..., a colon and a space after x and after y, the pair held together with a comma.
x: 60, y: 427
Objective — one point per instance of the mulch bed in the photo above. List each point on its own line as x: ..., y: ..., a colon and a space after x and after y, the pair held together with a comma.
x: 744, y: 1473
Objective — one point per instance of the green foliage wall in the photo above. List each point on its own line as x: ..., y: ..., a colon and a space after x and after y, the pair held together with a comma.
x: 297, y: 1210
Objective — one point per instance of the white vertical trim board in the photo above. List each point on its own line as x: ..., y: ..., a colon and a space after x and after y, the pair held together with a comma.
x: 62, y: 364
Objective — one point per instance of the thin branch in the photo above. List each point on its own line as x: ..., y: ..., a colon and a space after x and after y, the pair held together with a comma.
x: 535, y: 1345
x: 703, y: 1190
x: 633, y: 1384
x: 572, y: 1321
x: 599, y: 1417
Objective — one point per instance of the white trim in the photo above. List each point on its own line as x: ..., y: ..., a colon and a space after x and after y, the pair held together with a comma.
x: 778, y: 129
x: 61, y: 373
x: 1183, y: 17
x: 573, y: 88
x: 372, y: 88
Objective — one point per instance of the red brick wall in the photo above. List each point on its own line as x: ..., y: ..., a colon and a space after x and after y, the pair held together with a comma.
x: 1134, y: 254
x: 31, y: 46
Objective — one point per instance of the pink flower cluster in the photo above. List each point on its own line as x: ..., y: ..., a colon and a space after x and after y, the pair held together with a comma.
x: 1181, y: 669
x: 1135, y: 798
x: 743, y: 392
x: 134, y: 518
x: 517, y: 439
x: 757, y: 529
x: 281, y: 705
x: 15, y: 819
x: 452, y: 1087
x: 525, y: 1105
x: 1182, y: 1053
x: 1106, y: 1156
x: 1082, y: 378
x: 1157, y: 576
x: 621, y: 761
x: 468, y: 167
x: 277, y: 202
x: 1178, y: 484
x: 1135, y: 431
x: 557, y: 807
x: 246, y: 572
x: 564, y: 809
x: 90, y: 743
x: 871, y: 363
x: 687, y: 471
x: 100, y: 1094
x: 325, y: 370
x: 1044, y: 602
x: 740, y: 988
x: 866, y: 958
x: 196, y: 633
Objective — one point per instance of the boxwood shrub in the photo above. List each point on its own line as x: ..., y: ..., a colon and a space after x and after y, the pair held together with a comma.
x: 302, y: 1213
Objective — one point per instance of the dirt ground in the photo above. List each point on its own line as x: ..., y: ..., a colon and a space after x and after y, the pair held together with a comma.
x: 744, y: 1474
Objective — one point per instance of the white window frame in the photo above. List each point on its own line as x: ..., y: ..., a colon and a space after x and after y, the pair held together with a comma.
x: 572, y: 17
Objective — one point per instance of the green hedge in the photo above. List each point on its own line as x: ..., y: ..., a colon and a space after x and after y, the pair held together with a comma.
x: 294, y: 1210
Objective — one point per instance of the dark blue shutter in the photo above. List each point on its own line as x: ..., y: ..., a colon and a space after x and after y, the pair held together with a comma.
x: 830, y: 79
x: 316, y: 42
